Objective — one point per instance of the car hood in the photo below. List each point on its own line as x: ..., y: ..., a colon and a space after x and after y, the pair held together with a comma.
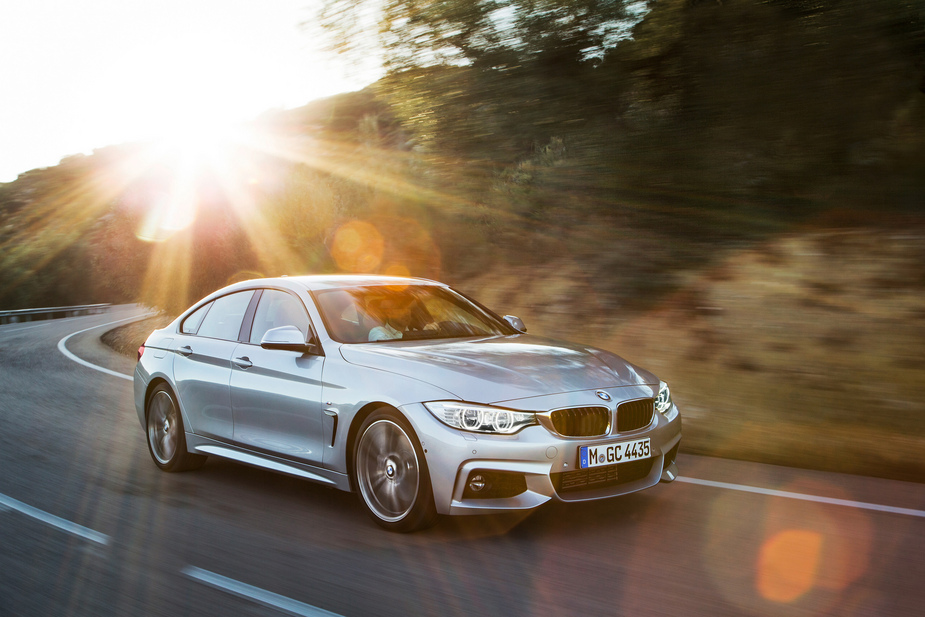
x: 500, y: 368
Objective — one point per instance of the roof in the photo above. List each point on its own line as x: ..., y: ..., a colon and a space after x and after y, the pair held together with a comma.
x: 332, y: 281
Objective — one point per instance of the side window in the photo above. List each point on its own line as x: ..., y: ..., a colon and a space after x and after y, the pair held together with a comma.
x: 191, y: 324
x: 224, y: 320
x: 277, y: 309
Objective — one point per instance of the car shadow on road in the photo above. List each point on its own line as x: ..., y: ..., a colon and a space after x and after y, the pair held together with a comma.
x: 230, y: 489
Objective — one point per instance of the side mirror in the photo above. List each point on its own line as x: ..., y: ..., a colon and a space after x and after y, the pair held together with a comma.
x: 289, y: 338
x: 516, y: 323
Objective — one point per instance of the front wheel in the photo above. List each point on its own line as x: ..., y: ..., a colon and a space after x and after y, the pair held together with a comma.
x: 166, y: 438
x: 391, y: 474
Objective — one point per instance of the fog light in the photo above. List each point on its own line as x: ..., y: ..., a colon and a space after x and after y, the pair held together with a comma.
x: 492, y: 484
x: 477, y: 483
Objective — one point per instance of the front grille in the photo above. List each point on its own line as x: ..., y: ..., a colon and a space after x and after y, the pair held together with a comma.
x: 635, y: 415
x: 581, y: 421
x: 601, y: 477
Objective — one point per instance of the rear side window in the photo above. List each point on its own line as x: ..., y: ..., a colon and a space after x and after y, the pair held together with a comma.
x: 224, y: 319
x: 191, y: 324
x: 277, y: 309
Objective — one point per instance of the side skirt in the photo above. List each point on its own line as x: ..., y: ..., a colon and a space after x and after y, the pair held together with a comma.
x: 204, y: 445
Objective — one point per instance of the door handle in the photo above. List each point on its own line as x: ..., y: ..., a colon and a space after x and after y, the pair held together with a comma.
x: 186, y: 350
x: 243, y: 362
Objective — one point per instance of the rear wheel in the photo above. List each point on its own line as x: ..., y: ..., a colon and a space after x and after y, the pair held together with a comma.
x: 166, y: 437
x: 391, y: 474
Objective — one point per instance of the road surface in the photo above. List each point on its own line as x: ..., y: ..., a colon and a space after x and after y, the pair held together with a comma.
x: 89, y: 526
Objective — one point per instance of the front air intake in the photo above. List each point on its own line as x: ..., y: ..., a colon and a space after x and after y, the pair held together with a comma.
x: 601, y: 477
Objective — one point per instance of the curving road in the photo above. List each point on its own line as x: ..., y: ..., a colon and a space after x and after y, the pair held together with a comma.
x: 89, y: 526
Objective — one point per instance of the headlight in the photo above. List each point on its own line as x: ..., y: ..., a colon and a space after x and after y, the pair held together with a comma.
x: 663, y: 400
x: 480, y: 418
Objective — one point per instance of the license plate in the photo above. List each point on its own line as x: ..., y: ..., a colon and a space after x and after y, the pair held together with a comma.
x: 613, y: 453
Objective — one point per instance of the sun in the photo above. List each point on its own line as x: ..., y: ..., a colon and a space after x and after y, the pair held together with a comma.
x: 187, y: 154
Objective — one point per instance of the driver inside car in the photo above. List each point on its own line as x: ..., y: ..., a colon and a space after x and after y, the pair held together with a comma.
x: 396, y: 316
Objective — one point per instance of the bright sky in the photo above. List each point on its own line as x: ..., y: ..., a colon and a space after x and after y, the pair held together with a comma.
x: 81, y: 74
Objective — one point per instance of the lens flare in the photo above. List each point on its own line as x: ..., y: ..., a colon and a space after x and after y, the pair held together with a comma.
x: 788, y: 564
x: 397, y: 269
x: 358, y: 247
x: 772, y: 556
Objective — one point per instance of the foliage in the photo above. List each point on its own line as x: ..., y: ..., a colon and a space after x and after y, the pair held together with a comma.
x: 740, y: 96
x: 503, y: 128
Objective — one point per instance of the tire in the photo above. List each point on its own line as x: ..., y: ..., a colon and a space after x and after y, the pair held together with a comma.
x: 390, y: 473
x: 165, y: 435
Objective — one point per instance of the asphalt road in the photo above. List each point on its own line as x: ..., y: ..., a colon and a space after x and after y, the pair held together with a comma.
x: 89, y: 526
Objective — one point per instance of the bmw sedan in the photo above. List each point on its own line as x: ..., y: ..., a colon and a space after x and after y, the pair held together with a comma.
x: 414, y: 396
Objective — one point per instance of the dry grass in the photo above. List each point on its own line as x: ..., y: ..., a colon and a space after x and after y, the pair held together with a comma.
x: 808, y: 351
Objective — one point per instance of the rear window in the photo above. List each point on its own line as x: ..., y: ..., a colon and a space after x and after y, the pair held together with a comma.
x: 223, y: 320
x: 191, y: 324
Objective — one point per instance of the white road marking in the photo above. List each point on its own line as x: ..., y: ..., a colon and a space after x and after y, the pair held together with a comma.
x: 804, y: 497
x: 256, y: 594
x: 63, y: 348
x: 73, y: 528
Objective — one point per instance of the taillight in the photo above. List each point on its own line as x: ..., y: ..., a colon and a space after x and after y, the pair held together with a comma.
x: 141, y: 351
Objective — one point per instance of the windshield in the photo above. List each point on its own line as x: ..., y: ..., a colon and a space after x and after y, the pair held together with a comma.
x: 387, y: 313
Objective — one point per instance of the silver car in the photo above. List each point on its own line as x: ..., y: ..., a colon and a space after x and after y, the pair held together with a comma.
x: 411, y: 394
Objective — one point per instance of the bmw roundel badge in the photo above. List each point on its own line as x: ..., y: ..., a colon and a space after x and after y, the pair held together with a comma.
x: 602, y: 395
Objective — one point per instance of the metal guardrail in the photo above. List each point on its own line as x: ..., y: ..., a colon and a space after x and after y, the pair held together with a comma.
x: 55, y: 312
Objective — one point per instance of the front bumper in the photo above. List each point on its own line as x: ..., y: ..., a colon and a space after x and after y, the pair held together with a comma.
x: 536, y: 465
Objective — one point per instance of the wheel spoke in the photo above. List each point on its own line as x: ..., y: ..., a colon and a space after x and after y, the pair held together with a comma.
x: 169, y: 445
x: 404, y: 491
x: 380, y: 442
x: 398, y: 443
x: 394, y: 505
x: 378, y: 480
x: 159, y: 411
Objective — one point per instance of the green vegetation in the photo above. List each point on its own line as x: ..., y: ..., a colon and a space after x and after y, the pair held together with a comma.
x: 535, y: 154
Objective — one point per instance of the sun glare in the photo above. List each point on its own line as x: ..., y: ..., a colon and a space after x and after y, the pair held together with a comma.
x: 200, y: 141
x: 191, y: 152
x: 182, y: 158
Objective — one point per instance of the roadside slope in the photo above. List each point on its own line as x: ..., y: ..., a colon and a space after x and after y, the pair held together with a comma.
x: 808, y: 351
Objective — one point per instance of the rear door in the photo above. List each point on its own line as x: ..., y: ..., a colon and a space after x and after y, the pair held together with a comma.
x: 202, y: 367
x: 276, y: 394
